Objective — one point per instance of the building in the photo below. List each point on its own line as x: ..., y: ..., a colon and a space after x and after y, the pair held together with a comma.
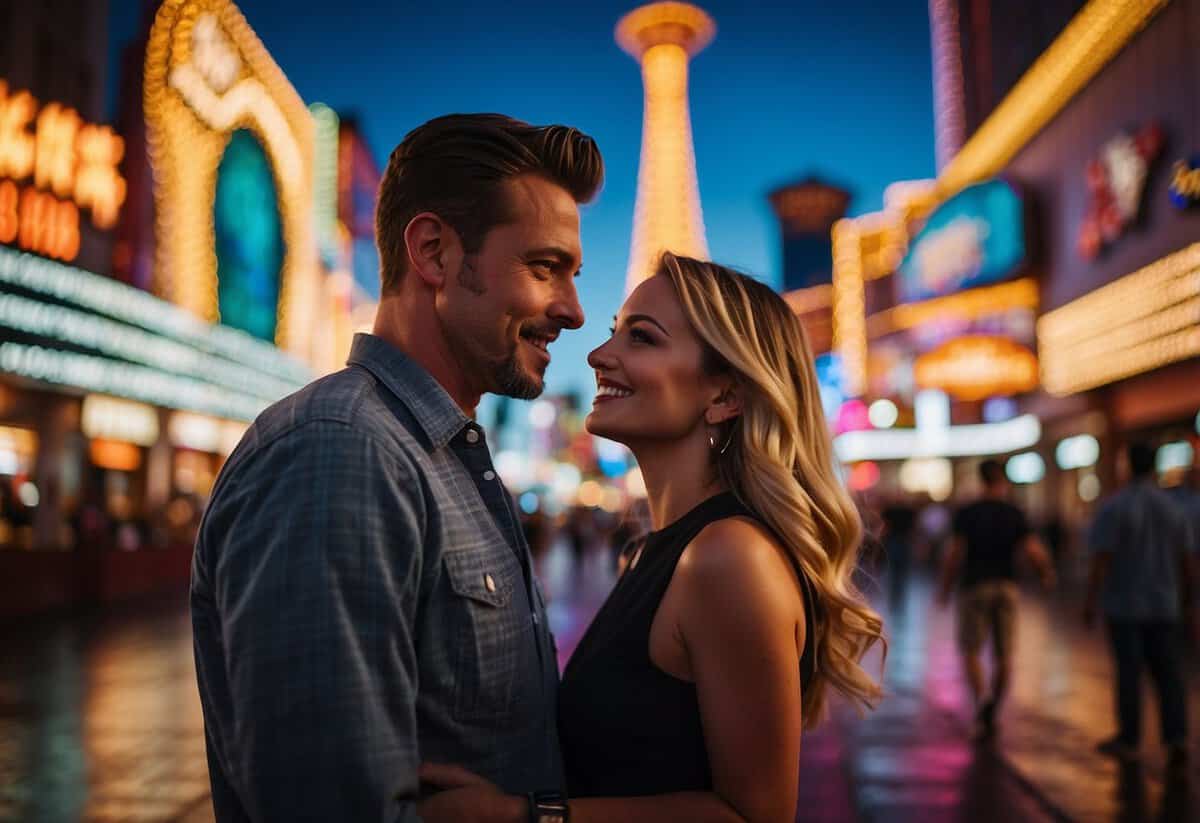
x: 1044, y: 283
x: 807, y: 211
x: 157, y: 289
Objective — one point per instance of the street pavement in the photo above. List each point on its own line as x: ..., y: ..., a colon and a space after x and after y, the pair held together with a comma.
x: 100, y: 721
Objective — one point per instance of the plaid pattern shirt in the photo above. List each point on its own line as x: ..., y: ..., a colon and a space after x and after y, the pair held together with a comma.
x: 362, y: 601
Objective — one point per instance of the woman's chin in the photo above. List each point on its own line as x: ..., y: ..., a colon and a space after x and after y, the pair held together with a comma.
x: 601, y: 428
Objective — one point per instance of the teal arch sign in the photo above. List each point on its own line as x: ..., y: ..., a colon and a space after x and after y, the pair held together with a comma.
x: 249, y: 238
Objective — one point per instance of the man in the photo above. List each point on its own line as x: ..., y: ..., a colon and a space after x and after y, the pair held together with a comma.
x: 362, y: 598
x: 988, y: 536
x: 1141, y: 573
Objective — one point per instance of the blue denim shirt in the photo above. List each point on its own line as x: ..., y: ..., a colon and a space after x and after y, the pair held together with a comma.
x: 362, y: 601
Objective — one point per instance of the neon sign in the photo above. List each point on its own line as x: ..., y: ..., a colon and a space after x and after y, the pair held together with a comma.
x: 1184, y: 189
x: 975, y: 237
x: 53, y: 164
x: 978, y: 366
x: 1116, y: 179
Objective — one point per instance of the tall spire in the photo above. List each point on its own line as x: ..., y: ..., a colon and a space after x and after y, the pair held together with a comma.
x: 662, y: 37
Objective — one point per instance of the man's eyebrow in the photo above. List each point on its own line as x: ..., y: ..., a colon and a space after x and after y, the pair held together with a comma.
x: 554, y: 251
x: 635, y: 317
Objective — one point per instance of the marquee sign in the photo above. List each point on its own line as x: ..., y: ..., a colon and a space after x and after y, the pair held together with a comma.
x: 53, y: 165
x: 977, y: 366
x: 232, y: 146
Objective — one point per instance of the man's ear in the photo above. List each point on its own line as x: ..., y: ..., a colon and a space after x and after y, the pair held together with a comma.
x: 434, y: 249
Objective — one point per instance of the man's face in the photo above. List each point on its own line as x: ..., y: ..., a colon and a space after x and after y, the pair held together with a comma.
x: 509, y: 300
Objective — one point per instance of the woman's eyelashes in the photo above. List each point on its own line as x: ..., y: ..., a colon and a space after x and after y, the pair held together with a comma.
x: 635, y: 334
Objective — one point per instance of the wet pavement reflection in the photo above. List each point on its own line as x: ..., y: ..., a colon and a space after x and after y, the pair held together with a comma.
x: 100, y: 721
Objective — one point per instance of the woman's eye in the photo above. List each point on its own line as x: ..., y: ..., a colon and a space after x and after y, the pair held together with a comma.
x: 640, y: 336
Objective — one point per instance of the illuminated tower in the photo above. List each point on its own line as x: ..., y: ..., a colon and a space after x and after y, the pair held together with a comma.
x: 663, y: 37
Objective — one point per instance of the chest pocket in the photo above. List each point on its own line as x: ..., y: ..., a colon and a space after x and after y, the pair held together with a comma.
x: 492, y: 635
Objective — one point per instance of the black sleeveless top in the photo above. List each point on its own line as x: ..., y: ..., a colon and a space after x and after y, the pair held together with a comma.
x: 626, y: 727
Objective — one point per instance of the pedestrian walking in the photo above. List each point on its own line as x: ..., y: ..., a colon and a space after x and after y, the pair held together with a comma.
x: 1142, y: 558
x: 987, y: 538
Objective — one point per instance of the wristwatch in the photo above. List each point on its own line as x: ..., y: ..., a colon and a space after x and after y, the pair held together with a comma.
x: 548, y: 807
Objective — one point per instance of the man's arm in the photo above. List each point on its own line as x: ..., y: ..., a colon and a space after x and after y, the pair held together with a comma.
x: 950, y: 566
x: 318, y: 552
x: 1035, y: 550
x: 1100, y: 543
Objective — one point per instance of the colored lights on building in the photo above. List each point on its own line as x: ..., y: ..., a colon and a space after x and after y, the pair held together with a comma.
x: 1025, y: 468
x: 1140, y: 322
x: 663, y: 37
x: 1174, y: 457
x: 929, y: 475
x: 883, y: 414
x: 975, y: 367
x: 109, y: 418
x: 1080, y: 451
x: 1092, y: 38
x: 209, y: 79
x: 1184, y: 189
x: 974, y: 440
x: 53, y: 164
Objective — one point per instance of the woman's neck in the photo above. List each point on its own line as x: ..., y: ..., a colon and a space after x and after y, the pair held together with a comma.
x: 678, y: 476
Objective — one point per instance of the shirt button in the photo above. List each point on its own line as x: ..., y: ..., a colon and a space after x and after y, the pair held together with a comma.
x: 472, y: 436
x: 490, y: 583
x: 489, y: 475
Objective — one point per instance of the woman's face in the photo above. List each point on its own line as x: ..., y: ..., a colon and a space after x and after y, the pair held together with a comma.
x: 650, y: 386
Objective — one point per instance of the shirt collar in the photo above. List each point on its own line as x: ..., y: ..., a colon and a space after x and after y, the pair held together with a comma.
x: 436, y: 413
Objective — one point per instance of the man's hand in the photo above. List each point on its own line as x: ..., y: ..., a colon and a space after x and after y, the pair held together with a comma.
x: 466, y: 797
x: 1191, y: 625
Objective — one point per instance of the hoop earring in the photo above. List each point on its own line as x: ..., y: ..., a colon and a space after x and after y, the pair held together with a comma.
x: 712, y: 442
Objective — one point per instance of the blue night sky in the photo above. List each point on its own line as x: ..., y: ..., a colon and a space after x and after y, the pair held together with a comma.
x: 841, y: 89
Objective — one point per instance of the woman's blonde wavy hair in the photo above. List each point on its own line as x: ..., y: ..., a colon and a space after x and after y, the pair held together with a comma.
x: 779, y: 460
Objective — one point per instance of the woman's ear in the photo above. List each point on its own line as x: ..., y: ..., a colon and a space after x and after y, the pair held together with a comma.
x: 726, y: 406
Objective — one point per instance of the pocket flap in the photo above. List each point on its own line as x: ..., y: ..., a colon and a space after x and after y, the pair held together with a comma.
x: 479, y: 576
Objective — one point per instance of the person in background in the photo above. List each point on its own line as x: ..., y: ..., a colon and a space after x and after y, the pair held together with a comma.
x: 1142, y: 567
x: 988, y: 536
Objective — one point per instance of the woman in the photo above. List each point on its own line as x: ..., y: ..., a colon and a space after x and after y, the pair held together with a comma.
x: 686, y: 697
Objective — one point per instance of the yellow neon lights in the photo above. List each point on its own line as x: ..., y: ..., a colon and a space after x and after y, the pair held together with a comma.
x: 1093, y: 37
x: 1145, y: 320
x: 667, y: 214
x: 71, y: 164
x: 812, y: 298
x: 849, y: 306
x: 967, y: 305
x: 207, y: 74
x: 977, y: 366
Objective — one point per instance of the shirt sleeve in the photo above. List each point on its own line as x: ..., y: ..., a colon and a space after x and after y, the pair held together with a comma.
x: 958, y: 526
x: 1102, y: 534
x: 317, y: 547
x: 1022, y: 522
